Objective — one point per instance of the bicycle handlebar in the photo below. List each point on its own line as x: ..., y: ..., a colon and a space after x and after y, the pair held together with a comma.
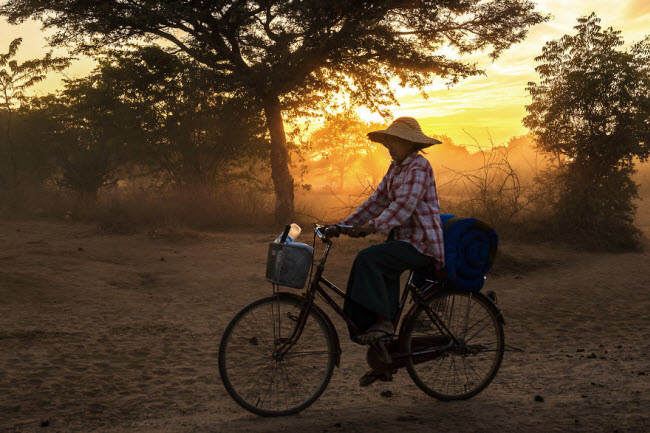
x: 327, y: 232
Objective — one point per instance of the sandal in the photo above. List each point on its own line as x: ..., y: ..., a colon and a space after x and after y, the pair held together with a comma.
x: 371, y: 376
x: 372, y: 335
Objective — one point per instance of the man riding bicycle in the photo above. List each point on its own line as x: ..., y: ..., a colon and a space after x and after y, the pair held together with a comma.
x: 405, y: 208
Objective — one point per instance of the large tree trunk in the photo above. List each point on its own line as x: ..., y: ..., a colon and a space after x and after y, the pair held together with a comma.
x: 282, y: 180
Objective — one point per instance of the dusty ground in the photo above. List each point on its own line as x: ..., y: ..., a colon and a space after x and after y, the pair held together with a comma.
x: 120, y: 333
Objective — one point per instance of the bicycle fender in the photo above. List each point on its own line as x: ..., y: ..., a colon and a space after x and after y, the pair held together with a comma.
x: 328, y: 322
x: 496, y: 306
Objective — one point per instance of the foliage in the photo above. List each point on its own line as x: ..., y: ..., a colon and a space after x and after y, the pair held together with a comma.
x: 341, y: 141
x: 295, y: 55
x: 32, y: 153
x: 92, y: 130
x: 193, y: 133
x: 15, y: 79
x: 591, y: 112
x: 303, y: 47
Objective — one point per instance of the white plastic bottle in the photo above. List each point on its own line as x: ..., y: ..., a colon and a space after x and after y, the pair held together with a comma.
x: 294, y: 232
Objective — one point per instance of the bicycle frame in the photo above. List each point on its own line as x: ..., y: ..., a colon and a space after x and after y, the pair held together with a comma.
x: 315, y: 288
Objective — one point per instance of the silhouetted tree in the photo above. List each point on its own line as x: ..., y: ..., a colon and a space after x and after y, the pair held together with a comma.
x: 93, y: 130
x: 298, y: 53
x: 32, y: 152
x: 15, y: 79
x: 191, y: 134
x: 342, y: 140
x: 591, y: 111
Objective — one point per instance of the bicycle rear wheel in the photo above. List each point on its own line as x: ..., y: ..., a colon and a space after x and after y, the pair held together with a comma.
x: 449, y: 370
x: 267, y: 386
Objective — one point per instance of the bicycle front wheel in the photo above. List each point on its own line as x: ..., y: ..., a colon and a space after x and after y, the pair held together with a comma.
x: 254, y: 378
x: 454, y: 370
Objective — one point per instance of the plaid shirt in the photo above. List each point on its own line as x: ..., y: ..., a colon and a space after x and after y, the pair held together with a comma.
x: 406, y: 201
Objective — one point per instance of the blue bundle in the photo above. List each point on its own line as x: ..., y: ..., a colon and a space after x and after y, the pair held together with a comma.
x: 470, y: 249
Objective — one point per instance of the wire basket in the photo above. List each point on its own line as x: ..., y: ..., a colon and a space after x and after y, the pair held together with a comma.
x: 289, y: 264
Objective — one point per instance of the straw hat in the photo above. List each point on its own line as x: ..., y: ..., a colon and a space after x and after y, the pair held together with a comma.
x: 406, y: 128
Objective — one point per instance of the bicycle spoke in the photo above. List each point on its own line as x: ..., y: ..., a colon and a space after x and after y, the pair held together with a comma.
x: 461, y: 370
x: 254, y: 386
x: 248, y: 374
x: 468, y: 381
x: 286, y: 382
x: 469, y: 309
x: 457, y: 373
x: 471, y: 367
x: 447, y: 376
x: 309, y: 374
x: 277, y: 388
x: 263, y: 384
x: 297, y: 382
x: 434, y: 374
x: 304, y: 353
x: 477, y: 323
x: 267, y: 391
x: 290, y: 392
x: 477, y: 333
x: 269, y: 345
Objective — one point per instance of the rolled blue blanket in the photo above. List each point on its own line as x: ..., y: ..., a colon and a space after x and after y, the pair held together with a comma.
x: 470, y: 249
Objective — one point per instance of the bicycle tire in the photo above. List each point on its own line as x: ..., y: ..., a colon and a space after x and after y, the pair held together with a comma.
x: 418, y: 324
x: 241, y: 337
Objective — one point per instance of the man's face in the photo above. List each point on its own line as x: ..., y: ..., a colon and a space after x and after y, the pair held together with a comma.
x: 399, y: 149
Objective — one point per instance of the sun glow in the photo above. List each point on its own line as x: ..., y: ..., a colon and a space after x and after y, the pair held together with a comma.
x: 484, y: 108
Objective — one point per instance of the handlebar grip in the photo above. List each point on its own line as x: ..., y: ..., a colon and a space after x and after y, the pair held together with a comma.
x: 285, y: 233
x: 332, y: 231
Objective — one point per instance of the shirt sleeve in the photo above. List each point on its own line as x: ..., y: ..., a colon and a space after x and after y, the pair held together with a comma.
x: 407, y: 196
x: 372, y: 207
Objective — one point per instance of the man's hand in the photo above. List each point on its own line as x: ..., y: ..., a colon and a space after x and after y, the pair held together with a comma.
x: 361, y: 231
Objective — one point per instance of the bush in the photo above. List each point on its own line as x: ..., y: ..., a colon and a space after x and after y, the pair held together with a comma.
x: 493, y: 192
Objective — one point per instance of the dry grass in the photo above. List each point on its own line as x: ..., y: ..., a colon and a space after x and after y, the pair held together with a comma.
x: 518, y: 210
x: 119, y: 211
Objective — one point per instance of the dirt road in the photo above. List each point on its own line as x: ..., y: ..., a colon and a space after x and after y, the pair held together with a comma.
x: 120, y: 333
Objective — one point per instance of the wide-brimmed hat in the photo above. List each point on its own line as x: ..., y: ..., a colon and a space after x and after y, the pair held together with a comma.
x: 406, y: 128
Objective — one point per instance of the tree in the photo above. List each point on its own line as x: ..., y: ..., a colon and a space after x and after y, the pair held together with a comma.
x: 341, y: 140
x: 591, y: 112
x: 15, y: 79
x: 93, y: 128
x: 30, y: 159
x: 190, y: 134
x: 296, y: 54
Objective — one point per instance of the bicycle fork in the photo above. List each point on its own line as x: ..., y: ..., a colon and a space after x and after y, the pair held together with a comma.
x: 301, y: 320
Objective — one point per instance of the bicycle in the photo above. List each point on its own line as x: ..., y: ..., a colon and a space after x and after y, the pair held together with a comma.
x: 278, y: 354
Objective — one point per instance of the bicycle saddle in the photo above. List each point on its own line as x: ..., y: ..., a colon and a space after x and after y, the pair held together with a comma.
x: 429, y: 273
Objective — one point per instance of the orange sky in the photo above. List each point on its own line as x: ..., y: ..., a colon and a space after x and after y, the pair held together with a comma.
x: 494, y: 102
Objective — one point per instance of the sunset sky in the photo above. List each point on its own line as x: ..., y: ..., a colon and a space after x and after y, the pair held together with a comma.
x: 494, y: 102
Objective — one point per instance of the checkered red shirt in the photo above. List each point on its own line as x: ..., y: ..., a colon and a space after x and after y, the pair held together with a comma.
x: 406, y: 201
